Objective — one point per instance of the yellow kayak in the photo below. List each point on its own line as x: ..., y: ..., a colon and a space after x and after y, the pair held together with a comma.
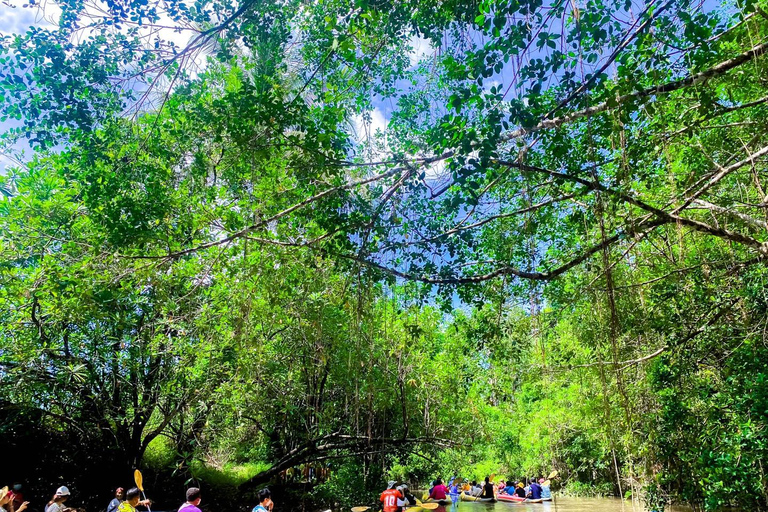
x: 466, y: 497
x: 427, y: 499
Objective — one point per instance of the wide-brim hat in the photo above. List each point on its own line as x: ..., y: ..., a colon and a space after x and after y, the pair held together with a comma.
x: 3, y: 492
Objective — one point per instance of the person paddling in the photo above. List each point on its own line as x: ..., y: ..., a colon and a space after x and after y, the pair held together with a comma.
x: 546, y: 492
x: 115, y: 503
x: 535, y: 492
x: 409, y: 500
x: 265, y: 501
x: 439, y: 491
x: 193, y: 501
x: 487, y: 489
x: 390, y: 496
x: 16, y: 497
x: 132, y: 500
x: 453, y: 492
x: 520, y: 490
x: 5, y: 499
x: 57, y: 502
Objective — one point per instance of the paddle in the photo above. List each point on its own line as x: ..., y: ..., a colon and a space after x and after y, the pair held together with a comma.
x: 552, y: 475
x: 426, y: 506
x: 140, y: 484
x: 360, y: 509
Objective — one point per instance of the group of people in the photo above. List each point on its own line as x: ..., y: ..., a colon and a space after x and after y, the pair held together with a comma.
x: 124, y: 501
x: 127, y: 501
x: 532, y: 489
x: 396, y: 498
x: 12, y: 500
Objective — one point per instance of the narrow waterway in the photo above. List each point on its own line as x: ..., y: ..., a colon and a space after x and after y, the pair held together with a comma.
x: 558, y: 505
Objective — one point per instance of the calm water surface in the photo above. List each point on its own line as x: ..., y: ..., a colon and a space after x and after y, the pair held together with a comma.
x: 559, y: 505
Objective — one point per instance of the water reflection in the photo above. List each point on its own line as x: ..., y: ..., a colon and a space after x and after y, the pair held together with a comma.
x: 558, y: 505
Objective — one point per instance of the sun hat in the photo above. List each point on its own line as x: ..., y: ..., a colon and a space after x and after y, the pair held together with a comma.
x: 3, y: 492
x: 62, y: 491
x: 391, y: 484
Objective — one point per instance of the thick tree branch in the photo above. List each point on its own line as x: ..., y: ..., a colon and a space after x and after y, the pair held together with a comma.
x: 674, y: 85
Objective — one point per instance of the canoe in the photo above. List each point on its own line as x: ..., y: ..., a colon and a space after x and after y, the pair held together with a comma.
x: 472, y: 499
x: 540, y: 500
x: 546, y: 499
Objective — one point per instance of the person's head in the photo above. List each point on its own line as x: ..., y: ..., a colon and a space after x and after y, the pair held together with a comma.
x: 4, y: 496
x: 17, y: 487
x: 520, y: 485
x: 62, y: 494
x: 541, y: 480
x: 193, y: 496
x: 487, y: 479
x: 405, y: 488
x: 119, y: 493
x: 264, y: 495
x: 391, y: 484
x: 133, y: 496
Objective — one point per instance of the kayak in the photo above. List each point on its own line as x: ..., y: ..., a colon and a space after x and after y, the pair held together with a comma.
x: 427, y: 499
x: 512, y: 498
x: 446, y: 501
x: 517, y: 499
x: 467, y: 497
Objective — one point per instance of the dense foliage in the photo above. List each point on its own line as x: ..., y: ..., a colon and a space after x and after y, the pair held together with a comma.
x: 218, y: 264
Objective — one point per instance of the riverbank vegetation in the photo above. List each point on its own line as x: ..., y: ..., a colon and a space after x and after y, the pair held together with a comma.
x: 323, y: 245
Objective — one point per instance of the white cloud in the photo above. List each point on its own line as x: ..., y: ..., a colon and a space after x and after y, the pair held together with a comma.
x: 435, y: 171
x: 366, y: 127
x: 420, y: 48
x: 16, y: 19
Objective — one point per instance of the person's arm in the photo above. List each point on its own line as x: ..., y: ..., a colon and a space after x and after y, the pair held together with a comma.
x: 22, y: 507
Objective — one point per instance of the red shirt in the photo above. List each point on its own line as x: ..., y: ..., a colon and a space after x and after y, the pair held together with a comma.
x: 439, y: 492
x: 389, y: 499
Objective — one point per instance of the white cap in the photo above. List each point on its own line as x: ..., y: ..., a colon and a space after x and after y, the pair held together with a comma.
x: 62, y: 491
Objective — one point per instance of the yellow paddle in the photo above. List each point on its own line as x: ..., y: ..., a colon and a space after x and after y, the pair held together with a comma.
x: 140, y: 484
x: 360, y: 509
x: 426, y: 506
x: 552, y: 475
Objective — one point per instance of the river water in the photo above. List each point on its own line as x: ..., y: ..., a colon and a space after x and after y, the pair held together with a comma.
x: 558, y: 505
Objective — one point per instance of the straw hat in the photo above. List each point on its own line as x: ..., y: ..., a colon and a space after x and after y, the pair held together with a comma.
x: 3, y: 493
